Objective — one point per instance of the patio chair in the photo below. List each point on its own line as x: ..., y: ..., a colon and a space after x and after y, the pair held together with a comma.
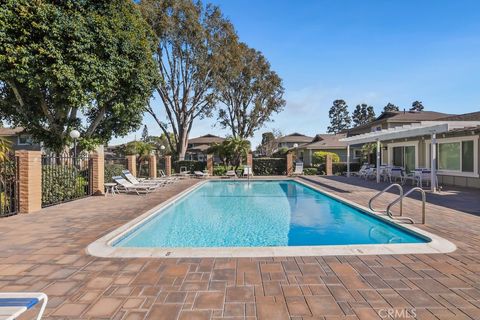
x: 131, y: 178
x: 361, y: 171
x: 370, y: 172
x: 130, y: 187
x: 395, y: 174
x: 247, y: 171
x: 200, y: 174
x: 13, y: 304
x: 298, y: 169
x: 426, y: 175
x: 230, y: 174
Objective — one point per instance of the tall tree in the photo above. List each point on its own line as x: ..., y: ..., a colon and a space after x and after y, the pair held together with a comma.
x: 191, y: 39
x: 417, y: 106
x: 268, y: 143
x: 145, y: 133
x: 74, y: 64
x: 250, y: 92
x: 339, y: 117
x: 363, y: 114
x: 390, y: 107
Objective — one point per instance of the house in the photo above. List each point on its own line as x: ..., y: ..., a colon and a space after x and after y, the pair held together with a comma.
x: 197, y: 147
x: 324, y: 142
x: 455, y: 137
x: 292, y: 140
x: 19, y: 139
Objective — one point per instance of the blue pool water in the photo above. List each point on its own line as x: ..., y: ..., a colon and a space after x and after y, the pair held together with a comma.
x: 259, y: 214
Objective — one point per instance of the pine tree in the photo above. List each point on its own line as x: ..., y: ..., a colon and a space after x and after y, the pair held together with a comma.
x: 145, y: 134
x: 339, y: 117
x: 390, y: 107
x: 363, y: 114
x: 417, y: 106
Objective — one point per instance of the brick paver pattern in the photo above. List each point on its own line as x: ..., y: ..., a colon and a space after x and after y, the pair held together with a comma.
x: 45, y: 251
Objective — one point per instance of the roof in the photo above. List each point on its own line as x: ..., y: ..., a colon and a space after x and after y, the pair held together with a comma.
x: 326, y: 141
x: 295, y: 137
x: 403, y: 116
x: 473, y: 116
x: 10, y: 131
x: 411, y: 130
x: 206, y: 139
x: 201, y: 148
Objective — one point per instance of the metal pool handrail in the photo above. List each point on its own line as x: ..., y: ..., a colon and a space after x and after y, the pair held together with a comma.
x: 424, y: 197
x: 400, y: 188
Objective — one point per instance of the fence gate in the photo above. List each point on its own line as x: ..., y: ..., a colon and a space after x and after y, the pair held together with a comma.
x: 8, y: 186
x: 65, y: 178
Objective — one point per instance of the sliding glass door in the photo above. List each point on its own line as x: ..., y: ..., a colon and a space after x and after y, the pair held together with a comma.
x: 404, y: 156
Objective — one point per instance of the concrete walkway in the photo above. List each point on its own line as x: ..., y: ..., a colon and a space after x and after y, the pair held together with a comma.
x: 45, y: 251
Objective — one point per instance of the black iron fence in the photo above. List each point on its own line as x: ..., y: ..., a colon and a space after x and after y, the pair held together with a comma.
x: 8, y: 186
x: 114, y: 167
x: 160, y: 166
x: 65, y: 178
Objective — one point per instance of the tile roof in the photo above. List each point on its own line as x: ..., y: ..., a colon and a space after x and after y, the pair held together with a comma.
x: 295, y: 137
x: 326, y: 141
x: 472, y: 116
x: 10, y: 131
x: 206, y: 139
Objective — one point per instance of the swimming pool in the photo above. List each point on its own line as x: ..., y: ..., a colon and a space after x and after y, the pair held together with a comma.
x: 262, y: 218
x: 262, y: 214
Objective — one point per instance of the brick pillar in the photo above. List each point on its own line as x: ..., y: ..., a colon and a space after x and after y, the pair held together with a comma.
x: 132, y: 164
x: 250, y: 160
x: 97, y: 169
x: 289, y: 163
x: 328, y: 165
x: 29, y: 181
x: 152, y: 166
x: 210, y: 164
x: 168, y: 165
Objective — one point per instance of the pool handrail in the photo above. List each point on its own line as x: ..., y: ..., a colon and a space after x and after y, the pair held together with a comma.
x: 400, y: 188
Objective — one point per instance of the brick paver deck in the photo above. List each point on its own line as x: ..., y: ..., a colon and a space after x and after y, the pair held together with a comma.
x: 45, y: 251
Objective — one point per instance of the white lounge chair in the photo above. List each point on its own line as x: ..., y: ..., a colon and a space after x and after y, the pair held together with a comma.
x: 360, y: 172
x: 247, y: 171
x: 13, y: 304
x: 298, y: 169
x: 130, y: 187
x: 231, y: 174
x: 130, y: 177
x: 200, y: 174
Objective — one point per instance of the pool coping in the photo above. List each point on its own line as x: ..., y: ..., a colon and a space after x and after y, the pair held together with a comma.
x: 103, y: 247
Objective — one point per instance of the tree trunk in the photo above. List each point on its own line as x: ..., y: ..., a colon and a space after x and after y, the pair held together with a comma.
x: 182, y: 143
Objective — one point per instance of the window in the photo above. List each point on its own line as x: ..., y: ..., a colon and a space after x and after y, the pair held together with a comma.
x: 24, y: 139
x: 455, y: 155
x: 404, y: 156
x: 357, y: 154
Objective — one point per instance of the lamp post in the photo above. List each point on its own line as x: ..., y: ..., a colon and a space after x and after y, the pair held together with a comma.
x: 74, y: 134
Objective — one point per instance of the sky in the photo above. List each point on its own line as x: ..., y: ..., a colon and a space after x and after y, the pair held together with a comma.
x: 366, y: 51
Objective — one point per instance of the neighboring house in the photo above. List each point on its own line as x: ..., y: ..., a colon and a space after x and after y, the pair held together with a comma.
x: 19, y: 139
x: 289, y: 141
x: 328, y: 143
x: 409, y: 146
x: 197, y: 147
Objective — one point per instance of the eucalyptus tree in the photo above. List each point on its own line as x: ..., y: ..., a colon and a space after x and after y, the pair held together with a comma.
x: 191, y: 40
x: 74, y: 64
x: 249, y: 91
x: 363, y: 114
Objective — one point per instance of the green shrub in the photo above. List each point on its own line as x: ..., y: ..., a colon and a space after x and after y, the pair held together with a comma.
x: 62, y: 183
x: 269, y: 166
x: 339, y: 168
x: 282, y: 152
x: 320, y: 157
x: 112, y: 170
x: 192, y: 165
x: 310, y: 171
x: 219, y: 170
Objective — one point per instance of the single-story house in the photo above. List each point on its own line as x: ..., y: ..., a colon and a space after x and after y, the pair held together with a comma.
x: 455, y: 146
x: 19, y: 139
x: 291, y: 140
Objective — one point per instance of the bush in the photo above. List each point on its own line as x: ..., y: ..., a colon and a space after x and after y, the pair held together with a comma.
x: 310, y: 171
x: 112, y: 170
x: 269, y: 166
x: 320, y: 157
x: 339, y: 168
x: 282, y: 152
x: 192, y: 165
x: 62, y: 183
x: 219, y: 170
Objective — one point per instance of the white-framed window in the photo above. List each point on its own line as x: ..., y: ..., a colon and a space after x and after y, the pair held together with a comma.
x: 24, y: 139
x: 403, y: 154
x: 357, y: 153
x: 456, y: 156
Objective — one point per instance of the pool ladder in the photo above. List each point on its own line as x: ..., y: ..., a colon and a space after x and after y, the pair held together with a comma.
x: 399, y: 199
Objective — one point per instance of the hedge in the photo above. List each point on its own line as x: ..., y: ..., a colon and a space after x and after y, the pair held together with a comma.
x: 62, y: 183
x: 112, y: 170
x: 339, y: 168
x: 269, y: 166
x: 320, y: 157
x: 192, y: 165
x: 310, y: 171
